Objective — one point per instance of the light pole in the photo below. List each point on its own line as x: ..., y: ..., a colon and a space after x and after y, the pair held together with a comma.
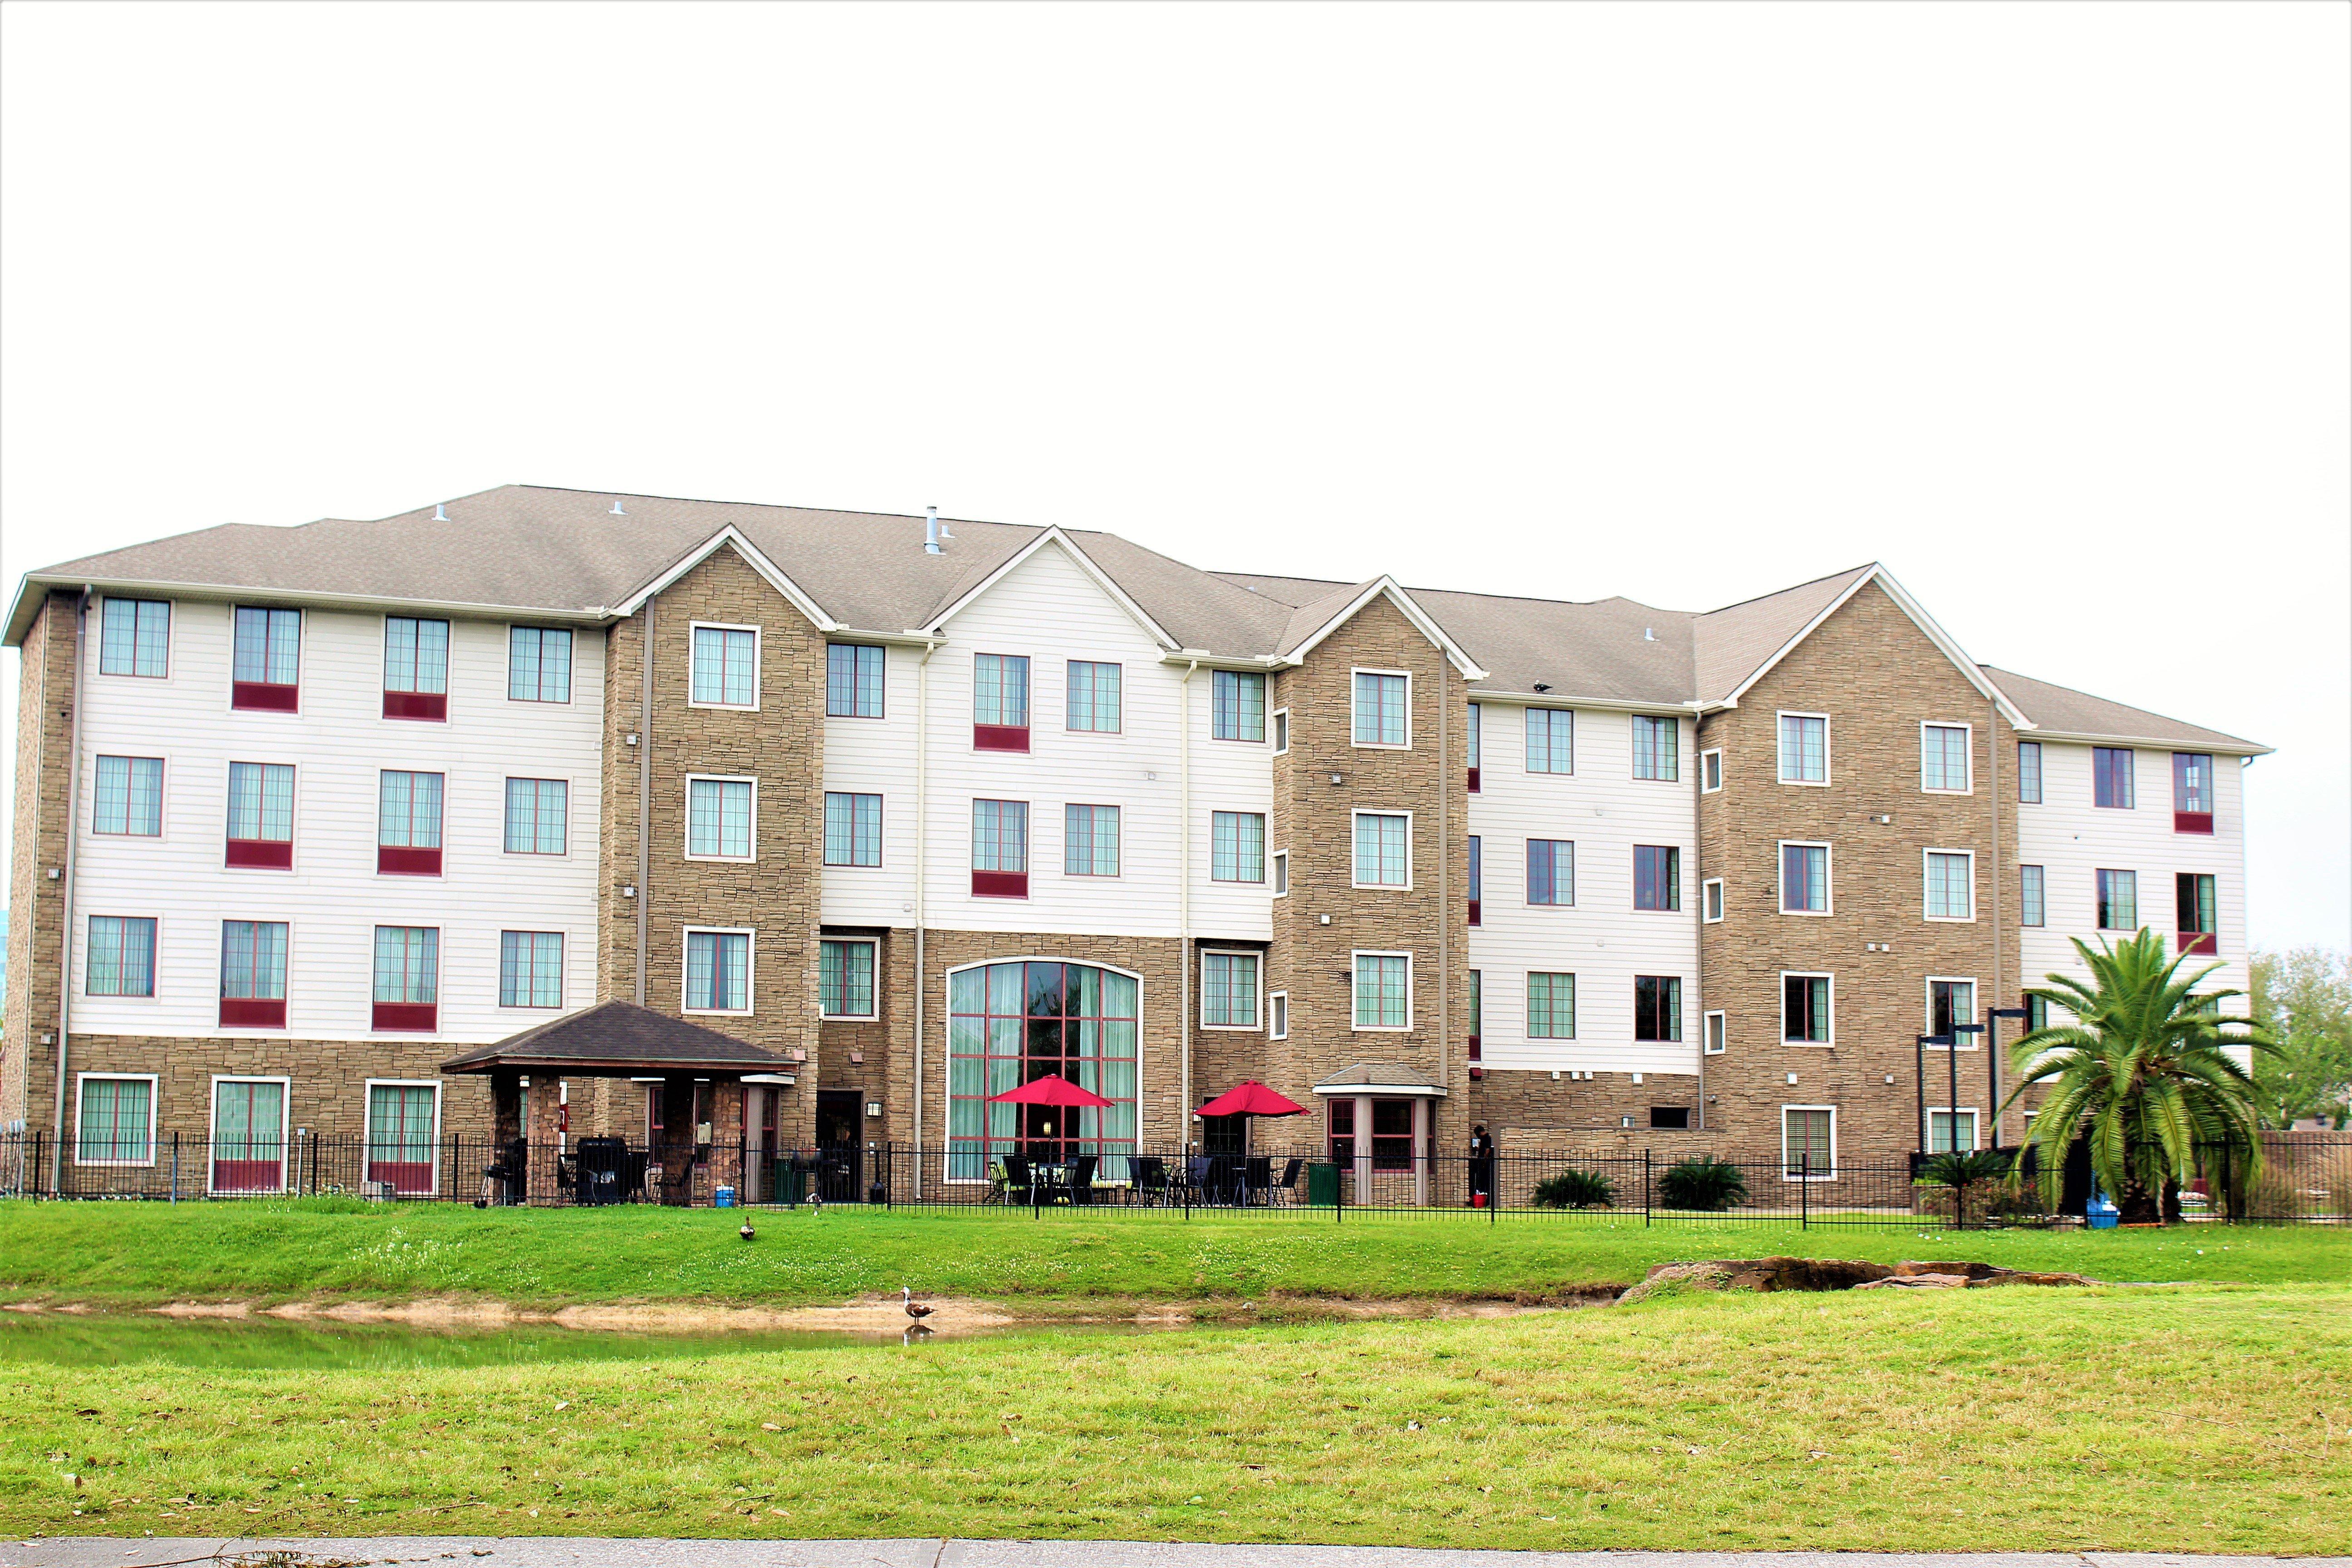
x: 1993, y: 1061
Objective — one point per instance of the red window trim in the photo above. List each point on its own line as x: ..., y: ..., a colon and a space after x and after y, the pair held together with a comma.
x: 262, y: 854
x: 264, y: 695
x: 253, y: 1011
x: 1476, y: 1054
x: 1474, y: 781
x: 431, y: 706
x: 2192, y: 942
x: 1000, y: 884
x: 1475, y: 905
x: 401, y: 860
x: 2192, y: 822
x: 406, y: 1015
x: 999, y: 737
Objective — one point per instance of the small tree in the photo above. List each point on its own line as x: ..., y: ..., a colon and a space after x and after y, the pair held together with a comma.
x: 2143, y: 1074
x: 1958, y: 1170
x: 2303, y: 1000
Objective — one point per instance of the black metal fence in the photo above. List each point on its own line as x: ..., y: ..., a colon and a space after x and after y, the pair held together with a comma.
x: 2302, y: 1179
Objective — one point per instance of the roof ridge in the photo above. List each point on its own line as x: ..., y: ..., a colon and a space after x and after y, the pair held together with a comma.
x: 1810, y: 582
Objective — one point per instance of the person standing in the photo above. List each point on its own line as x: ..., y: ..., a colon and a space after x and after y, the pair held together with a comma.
x: 1481, y: 1165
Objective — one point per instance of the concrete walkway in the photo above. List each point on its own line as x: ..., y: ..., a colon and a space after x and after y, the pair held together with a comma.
x: 590, y: 1551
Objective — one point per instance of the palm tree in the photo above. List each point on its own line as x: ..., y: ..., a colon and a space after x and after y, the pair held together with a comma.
x: 2142, y: 1075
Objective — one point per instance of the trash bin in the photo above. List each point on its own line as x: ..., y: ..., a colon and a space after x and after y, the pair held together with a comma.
x: 1323, y: 1184
x: 724, y: 1198
x: 2101, y: 1213
x: 788, y: 1184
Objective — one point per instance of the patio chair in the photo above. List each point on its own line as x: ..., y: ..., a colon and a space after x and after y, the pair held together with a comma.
x: 1151, y: 1187
x: 1019, y: 1184
x: 1082, y: 1179
x: 1289, y: 1185
x: 1199, y: 1170
x: 996, y: 1183
x: 1257, y: 1180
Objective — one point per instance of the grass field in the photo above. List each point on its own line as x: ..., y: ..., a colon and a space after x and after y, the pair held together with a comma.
x: 142, y: 1253
x: 2191, y: 1419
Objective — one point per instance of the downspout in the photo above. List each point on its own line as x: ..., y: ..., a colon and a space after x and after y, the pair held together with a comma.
x: 922, y: 879
x: 1184, y: 899
x: 1698, y: 886
x: 1993, y: 1025
x: 645, y: 792
x: 66, y: 893
x: 1445, y: 895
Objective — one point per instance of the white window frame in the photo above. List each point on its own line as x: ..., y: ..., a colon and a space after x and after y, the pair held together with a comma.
x: 1820, y: 782
x: 758, y: 656
x: 1976, y: 1122
x: 1403, y: 887
x: 1967, y: 753
x: 1258, y: 958
x: 874, y: 943
x: 155, y: 1091
x: 1265, y: 877
x: 285, y: 1124
x: 1710, y: 762
x: 1714, y: 1032
x: 1968, y: 918
x: 1406, y: 745
x: 1404, y: 1028
x: 685, y: 843
x: 1781, y: 1004
x: 155, y: 994
x: 162, y: 834
x: 750, y: 970
x: 1278, y: 870
x: 171, y: 665
x: 1829, y: 1175
x: 1527, y: 1004
x: 367, y: 1106
x: 1927, y: 1006
x: 1277, y: 725
x: 1828, y: 877
x: 1711, y: 901
x: 1277, y: 1015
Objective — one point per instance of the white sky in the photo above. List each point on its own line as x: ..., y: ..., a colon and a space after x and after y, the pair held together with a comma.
x: 2045, y: 306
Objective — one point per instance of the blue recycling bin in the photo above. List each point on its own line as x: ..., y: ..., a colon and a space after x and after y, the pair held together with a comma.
x: 2101, y: 1213
x: 723, y: 1198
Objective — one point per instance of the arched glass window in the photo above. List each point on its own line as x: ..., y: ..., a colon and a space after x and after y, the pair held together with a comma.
x: 1011, y: 1024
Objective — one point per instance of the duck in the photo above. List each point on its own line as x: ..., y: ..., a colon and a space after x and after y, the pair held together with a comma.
x: 914, y: 1309
x: 746, y: 1233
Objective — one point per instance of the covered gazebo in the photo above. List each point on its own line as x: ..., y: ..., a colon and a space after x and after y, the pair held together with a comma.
x: 1386, y: 1109
x: 697, y: 1085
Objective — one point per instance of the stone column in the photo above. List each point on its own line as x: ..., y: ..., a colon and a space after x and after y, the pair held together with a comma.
x: 1363, y: 1148
x: 541, y: 1099
x: 727, y: 1136
x: 1422, y: 1150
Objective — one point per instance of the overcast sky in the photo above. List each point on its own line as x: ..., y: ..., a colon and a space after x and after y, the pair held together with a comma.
x: 2043, y: 306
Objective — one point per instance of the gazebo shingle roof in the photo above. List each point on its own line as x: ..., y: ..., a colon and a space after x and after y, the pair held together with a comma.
x: 618, y: 1036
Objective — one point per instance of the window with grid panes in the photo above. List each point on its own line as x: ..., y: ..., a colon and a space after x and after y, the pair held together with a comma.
x: 129, y: 796
x: 725, y: 667
x: 269, y: 646
x: 2029, y: 887
x: 1805, y: 1009
x: 1552, y: 871
x: 718, y: 972
x: 1657, y: 876
x: 1009, y: 1024
x: 1092, y: 696
x: 261, y: 802
x: 1654, y: 747
x: 853, y: 829
x: 1237, y: 705
x: 119, y: 960
x: 408, y: 810
x: 536, y: 810
x: 415, y: 654
x: 718, y: 819
x: 1228, y: 990
x: 2111, y: 778
x: 538, y: 664
x: 531, y: 969
x: 1804, y: 749
x: 845, y: 980
x: 1383, y: 990
x: 1382, y: 711
x: 135, y: 637
x: 408, y: 964
x: 1944, y: 758
x: 1384, y: 849
x: 2118, y: 900
x: 1805, y: 878
x: 1551, y: 1006
x: 853, y: 680
x: 1551, y: 741
x: 2028, y: 771
x: 1806, y: 1144
x: 1951, y: 887
x: 1657, y: 1008
x: 1090, y: 840
x: 117, y: 1114
x: 1236, y: 847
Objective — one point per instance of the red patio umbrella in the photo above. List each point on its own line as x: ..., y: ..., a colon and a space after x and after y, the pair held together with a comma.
x: 1053, y: 1090
x: 1252, y: 1098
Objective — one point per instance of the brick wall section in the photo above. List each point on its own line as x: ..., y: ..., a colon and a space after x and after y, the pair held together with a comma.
x: 894, y: 1001
x: 616, y: 955
x: 36, y: 904
x: 1528, y: 1111
x: 1878, y: 677
x: 783, y: 745
x: 1311, y: 817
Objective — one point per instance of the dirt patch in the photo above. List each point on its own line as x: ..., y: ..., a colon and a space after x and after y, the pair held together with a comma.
x: 1765, y: 1274
x: 207, y: 1309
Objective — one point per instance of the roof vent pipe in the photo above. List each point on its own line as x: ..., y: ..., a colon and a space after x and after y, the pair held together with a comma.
x: 1649, y: 633
x: 616, y: 511
x: 440, y: 512
x: 932, y: 531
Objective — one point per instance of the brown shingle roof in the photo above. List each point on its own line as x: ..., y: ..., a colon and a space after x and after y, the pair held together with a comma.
x: 619, y: 1036
x: 2064, y: 712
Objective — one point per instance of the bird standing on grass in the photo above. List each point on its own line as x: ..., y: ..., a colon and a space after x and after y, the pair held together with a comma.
x: 914, y: 1309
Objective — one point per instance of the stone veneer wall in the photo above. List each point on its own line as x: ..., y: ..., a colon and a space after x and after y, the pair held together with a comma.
x: 1878, y: 677
x: 1312, y: 819
x: 782, y: 744
x: 1529, y: 1111
x: 327, y: 1088
x: 36, y: 904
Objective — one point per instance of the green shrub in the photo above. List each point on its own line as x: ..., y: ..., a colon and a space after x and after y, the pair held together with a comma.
x: 1576, y: 1189
x: 1701, y: 1183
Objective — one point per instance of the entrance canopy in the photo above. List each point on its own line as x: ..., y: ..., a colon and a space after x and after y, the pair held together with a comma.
x: 620, y: 1039
x: 1384, y: 1079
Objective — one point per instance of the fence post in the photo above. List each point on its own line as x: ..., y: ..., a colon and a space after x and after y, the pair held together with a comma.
x: 175, y: 1166
x: 1492, y: 1170
x: 1805, y: 1190
x: 1646, y: 1189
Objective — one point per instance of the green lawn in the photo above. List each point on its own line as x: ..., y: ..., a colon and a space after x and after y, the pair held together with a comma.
x: 140, y: 1254
x: 2189, y: 1419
